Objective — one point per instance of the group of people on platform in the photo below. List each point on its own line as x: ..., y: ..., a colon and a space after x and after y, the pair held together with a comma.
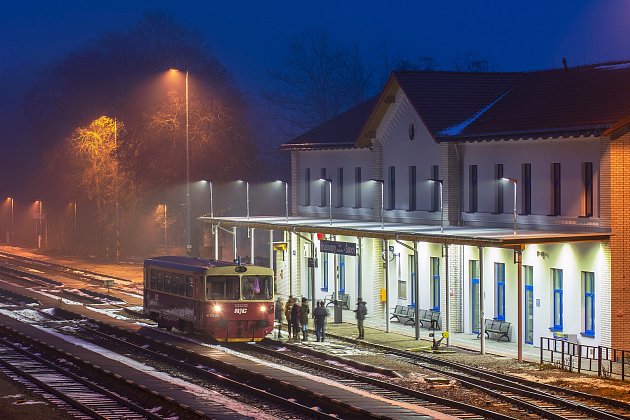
x: 297, y: 317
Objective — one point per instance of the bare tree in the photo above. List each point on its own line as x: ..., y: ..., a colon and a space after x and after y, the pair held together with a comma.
x: 470, y: 61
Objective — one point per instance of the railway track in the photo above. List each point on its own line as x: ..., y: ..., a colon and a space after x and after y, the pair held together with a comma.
x: 545, y: 400
x: 22, y: 359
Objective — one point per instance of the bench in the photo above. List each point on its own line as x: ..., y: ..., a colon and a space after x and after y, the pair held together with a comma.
x: 498, y: 327
x: 402, y: 314
x: 429, y: 317
x: 343, y: 297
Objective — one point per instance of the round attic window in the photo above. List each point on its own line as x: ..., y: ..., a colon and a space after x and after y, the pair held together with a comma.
x: 412, y: 130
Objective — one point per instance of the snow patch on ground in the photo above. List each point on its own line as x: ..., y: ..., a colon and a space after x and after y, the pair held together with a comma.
x: 109, y: 312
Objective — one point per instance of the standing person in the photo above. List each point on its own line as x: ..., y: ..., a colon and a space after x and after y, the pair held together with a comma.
x: 304, y: 315
x: 319, y: 314
x: 360, y: 312
x: 287, y: 313
x: 278, y: 315
x: 295, y: 318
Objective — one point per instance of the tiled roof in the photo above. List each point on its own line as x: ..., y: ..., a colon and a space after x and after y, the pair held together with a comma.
x: 455, y: 106
x: 578, y: 101
x: 339, y: 132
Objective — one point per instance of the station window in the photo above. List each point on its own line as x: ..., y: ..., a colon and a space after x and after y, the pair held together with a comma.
x: 472, y: 189
x: 556, y: 204
x: 342, y: 273
x: 526, y: 188
x: 587, y: 188
x: 499, y: 280
x: 324, y: 272
x: 588, y: 284
x: 475, y: 300
x: 435, y: 283
x: 392, y: 187
x: 257, y: 287
x: 412, y: 277
x: 402, y: 281
x: 498, y: 177
x: 357, y: 187
x: 528, y: 276
x: 307, y: 187
x: 412, y: 188
x: 556, y: 276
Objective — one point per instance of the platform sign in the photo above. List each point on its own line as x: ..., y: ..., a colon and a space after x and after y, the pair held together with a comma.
x: 341, y: 248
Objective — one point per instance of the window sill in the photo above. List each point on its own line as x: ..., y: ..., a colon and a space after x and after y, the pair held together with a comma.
x: 588, y: 334
x: 585, y: 217
x: 324, y: 289
x: 499, y: 319
x: 411, y: 305
x: 553, y: 329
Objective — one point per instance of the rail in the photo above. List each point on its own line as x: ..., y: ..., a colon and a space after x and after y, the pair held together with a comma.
x: 607, y: 362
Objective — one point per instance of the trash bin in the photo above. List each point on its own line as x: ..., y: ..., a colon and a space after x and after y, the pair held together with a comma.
x: 338, y: 308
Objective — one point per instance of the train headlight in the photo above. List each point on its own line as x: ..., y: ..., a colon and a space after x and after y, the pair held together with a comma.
x: 217, y: 308
x: 262, y: 308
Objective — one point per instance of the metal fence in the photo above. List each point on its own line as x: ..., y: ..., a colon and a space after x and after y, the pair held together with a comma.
x: 605, y: 361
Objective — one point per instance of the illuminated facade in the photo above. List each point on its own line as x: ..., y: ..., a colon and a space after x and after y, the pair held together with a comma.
x: 559, y: 137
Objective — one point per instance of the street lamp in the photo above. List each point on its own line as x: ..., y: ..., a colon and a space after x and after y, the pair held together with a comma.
x: 286, y: 200
x: 211, y: 202
x: 441, y: 183
x: 188, y: 244
x: 513, y: 181
x: 165, y: 227
x: 75, y: 227
x: 39, y: 225
x: 329, y: 181
x: 10, y: 232
x: 246, y: 195
x: 382, y: 182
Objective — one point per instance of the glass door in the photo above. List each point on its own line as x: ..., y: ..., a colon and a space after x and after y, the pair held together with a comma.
x: 528, y: 273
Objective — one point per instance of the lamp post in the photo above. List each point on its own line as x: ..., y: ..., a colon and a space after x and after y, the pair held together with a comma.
x: 329, y: 181
x: 74, y: 232
x: 10, y: 232
x: 165, y: 227
x: 441, y: 184
x: 246, y: 196
x: 39, y: 225
x: 513, y: 181
x: 286, y: 200
x: 188, y: 243
x: 382, y: 182
x: 211, y: 201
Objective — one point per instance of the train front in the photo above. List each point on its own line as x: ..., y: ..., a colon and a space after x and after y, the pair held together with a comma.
x: 240, y: 307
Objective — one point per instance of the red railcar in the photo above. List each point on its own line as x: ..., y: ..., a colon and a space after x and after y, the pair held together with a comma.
x: 227, y: 301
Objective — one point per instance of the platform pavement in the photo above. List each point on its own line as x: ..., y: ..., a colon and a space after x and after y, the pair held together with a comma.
x: 403, y: 337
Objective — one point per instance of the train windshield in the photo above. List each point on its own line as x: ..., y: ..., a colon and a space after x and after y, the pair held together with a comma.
x: 222, y: 288
x: 257, y: 287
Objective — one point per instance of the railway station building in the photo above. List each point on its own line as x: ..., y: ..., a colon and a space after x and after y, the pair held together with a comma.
x: 479, y: 197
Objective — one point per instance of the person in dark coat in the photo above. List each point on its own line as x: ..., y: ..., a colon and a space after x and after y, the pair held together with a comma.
x: 360, y: 312
x: 304, y: 315
x: 278, y: 316
x: 295, y: 319
x: 287, y: 313
x: 319, y: 314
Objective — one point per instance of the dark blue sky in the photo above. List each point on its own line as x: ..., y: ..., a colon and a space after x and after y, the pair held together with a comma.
x: 250, y: 37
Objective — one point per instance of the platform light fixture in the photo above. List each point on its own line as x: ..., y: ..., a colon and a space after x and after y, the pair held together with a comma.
x: 382, y: 182
x: 329, y: 181
x: 286, y: 200
x: 513, y: 181
x: 441, y: 186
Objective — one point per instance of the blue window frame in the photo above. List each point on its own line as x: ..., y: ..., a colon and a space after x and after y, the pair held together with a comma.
x: 499, y: 299
x: 412, y: 279
x: 342, y: 273
x: 435, y: 283
x: 474, y: 295
x: 528, y: 275
x: 556, y: 275
x: 325, y: 272
x: 588, y: 282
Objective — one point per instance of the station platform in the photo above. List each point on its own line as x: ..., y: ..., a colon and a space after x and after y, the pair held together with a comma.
x: 403, y: 337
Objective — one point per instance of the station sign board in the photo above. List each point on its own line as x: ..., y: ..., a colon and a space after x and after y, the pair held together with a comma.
x: 336, y: 247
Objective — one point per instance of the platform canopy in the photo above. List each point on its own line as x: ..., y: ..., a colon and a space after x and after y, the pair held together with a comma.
x: 452, y: 235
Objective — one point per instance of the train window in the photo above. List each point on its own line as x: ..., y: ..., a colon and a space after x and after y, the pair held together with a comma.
x: 160, y: 280
x: 222, y: 288
x: 181, y: 285
x: 189, y: 286
x: 167, y: 282
x: 257, y: 287
x: 153, y: 279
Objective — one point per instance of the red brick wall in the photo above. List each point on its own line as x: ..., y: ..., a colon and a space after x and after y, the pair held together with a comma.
x: 615, y: 203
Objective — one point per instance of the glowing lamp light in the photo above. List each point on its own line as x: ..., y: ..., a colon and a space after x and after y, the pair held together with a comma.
x: 217, y: 308
x: 262, y: 308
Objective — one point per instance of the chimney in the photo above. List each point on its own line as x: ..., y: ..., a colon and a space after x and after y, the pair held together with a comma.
x: 564, y: 64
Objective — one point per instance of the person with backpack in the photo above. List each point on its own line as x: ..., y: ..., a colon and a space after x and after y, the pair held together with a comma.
x: 304, y: 315
x: 319, y: 314
x: 295, y: 319
x: 360, y: 312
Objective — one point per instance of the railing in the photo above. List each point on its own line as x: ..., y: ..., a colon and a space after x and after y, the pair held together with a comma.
x: 606, y: 361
